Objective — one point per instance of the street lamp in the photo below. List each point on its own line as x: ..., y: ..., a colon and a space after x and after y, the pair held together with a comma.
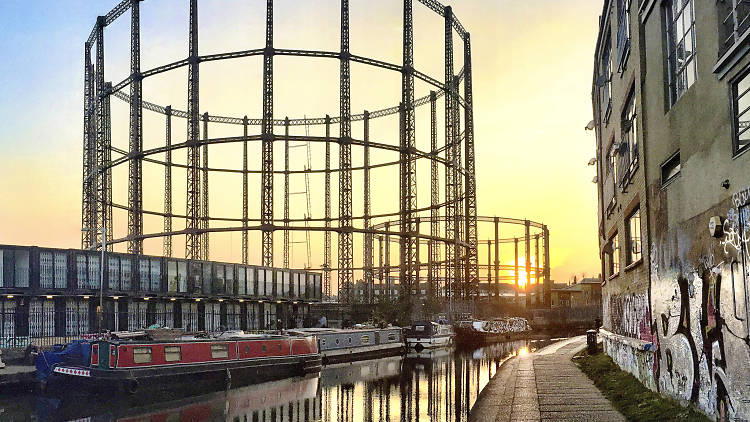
x: 103, y: 231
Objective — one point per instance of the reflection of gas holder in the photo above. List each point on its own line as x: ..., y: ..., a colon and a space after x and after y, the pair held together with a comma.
x: 363, y: 371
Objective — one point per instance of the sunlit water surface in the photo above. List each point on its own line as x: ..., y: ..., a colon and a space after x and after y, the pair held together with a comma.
x: 436, y: 386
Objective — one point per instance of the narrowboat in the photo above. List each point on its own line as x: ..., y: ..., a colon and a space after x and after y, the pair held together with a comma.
x: 427, y: 335
x: 479, y: 333
x: 346, y: 345
x: 131, y: 363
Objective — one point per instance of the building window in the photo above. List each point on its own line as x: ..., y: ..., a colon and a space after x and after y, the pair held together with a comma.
x: 734, y: 19
x: 634, y: 236
x: 741, y: 112
x: 670, y: 169
x: 623, y: 33
x: 614, y: 256
x: 680, y: 24
x: 629, y: 125
x: 613, y: 150
x: 604, y: 80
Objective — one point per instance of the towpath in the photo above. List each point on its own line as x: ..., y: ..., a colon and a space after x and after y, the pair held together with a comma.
x: 544, y: 386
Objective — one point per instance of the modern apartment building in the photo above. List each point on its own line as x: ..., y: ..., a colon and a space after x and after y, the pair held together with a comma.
x: 671, y: 115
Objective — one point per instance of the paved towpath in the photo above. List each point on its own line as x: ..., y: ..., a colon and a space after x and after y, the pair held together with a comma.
x: 544, y: 386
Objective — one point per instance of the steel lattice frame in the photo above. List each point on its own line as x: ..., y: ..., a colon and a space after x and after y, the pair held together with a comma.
x: 456, y: 213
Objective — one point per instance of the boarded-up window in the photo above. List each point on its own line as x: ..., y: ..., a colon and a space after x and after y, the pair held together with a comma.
x: 219, y: 351
x: 142, y: 355
x: 365, y: 339
x: 392, y: 337
x: 173, y: 353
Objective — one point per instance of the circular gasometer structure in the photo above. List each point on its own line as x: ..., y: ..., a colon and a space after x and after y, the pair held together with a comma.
x: 438, y: 162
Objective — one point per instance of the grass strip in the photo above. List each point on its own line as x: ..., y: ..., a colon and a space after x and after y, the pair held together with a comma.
x: 628, y: 395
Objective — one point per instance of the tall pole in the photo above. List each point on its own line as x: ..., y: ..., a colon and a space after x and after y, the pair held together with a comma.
x: 101, y: 274
x: 368, y: 277
x: 286, y: 193
x: 204, y: 191
x: 450, y: 208
x: 527, y: 258
x: 266, y: 204
x: 244, y: 191
x: 489, y: 267
x: 327, y: 212
x: 346, y: 247
x: 408, y: 194
x: 192, y: 226
x: 472, y: 267
x: 433, y: 252
x: 515, y: 269
x: 537, y: 275
x: 88, y: 209
x: 497, y: 257
x: 547, y: 281
x: 135, y: 185
x: 167, y: 244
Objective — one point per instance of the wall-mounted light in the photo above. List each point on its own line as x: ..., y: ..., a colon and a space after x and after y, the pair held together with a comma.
x: 146, y: 298
x: 10, y: 296
x: 49, y: 296
x: 113, y: 297
x: 171, y: 299
x: 85, y: 297
x: 221, y: 300
x: 242, y: 300
x: 197, y: 299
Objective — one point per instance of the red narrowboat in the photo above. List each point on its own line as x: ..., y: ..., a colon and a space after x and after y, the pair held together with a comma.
x: 131, y: 364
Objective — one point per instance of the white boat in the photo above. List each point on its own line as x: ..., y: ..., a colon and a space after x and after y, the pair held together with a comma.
x: 427, y: 334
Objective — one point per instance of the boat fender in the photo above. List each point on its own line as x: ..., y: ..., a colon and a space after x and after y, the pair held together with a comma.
x: 131, y: 386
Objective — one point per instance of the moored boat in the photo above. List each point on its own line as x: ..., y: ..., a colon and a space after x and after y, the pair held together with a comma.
x: 427, y: 334
x: 346, y: 345
x: 478, y: 333
x: 135, y: 361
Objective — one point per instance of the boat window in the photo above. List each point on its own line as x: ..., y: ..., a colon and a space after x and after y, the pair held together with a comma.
x: 350, y: 340
x: 322, y: 342
x: 142, y: 355
x: 419, y: 328
x: 219, y: 351
x: 365, y: 339
x: 263, y: 347
x: 392, y: 337
x: 337, y: 341
x: 173, y: 353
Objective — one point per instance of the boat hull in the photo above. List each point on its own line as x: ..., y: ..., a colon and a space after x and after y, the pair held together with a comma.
x: 429, y: 342
x: 245, y: 372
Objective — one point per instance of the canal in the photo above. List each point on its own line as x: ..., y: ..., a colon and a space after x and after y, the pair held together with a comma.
x: 436, y: 386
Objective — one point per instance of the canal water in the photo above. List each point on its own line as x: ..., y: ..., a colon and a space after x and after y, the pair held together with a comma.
x: 435, y: 386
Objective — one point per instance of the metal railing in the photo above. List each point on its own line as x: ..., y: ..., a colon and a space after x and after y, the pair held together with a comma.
x: 735, y: 21
x: 20, y: 328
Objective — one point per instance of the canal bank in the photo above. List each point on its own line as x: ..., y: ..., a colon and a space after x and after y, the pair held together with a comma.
x: 543, y: 385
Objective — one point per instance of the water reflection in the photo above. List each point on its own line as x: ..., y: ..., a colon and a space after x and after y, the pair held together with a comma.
x: 436, y: 386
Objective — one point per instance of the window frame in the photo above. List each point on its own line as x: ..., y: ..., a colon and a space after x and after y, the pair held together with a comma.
x: 673, y: 71
x: 605, y: 65
x: 734, y: 98
x: 613, y: 266
x: 629, y: 118
x: 623, y: 34
x: 630, y: 259
x: 142, y: 351
x: 169, y: 353
x: 665, y: 181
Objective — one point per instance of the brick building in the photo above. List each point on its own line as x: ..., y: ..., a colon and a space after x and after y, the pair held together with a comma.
x: 670, y: 101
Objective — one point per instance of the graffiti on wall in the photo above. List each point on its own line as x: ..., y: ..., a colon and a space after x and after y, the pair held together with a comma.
x: 699, y: 314
x: 629, y: 315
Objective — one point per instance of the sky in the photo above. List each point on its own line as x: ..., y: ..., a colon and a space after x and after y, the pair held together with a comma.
x: 532, y: 63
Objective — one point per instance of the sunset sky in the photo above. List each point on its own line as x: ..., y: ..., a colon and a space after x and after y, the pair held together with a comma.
x: 532, y: 64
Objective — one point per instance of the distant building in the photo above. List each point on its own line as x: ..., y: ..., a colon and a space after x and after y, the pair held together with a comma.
x: 587, y: 292
x: 671, y: 102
